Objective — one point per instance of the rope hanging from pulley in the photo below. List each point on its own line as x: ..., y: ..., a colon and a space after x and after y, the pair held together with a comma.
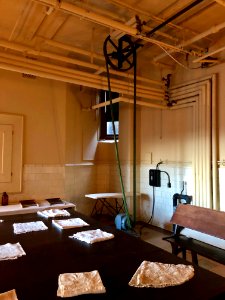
x: 121, y: 56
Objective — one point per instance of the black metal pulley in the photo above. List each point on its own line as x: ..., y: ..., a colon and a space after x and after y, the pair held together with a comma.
x: 120, y: 54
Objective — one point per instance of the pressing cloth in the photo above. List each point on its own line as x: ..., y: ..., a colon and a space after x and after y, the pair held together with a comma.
x: 92, y: 236
x: 51, y: 213
x: 29, y: 226
x: 10, y: 295
x: 69, y: 223
x: 158, y: 275
x: 11, y: 251
x: 74, y: 284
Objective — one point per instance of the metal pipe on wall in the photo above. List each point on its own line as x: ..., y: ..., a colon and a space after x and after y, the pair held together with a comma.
x: 205, y: 139
x: 215, y: 176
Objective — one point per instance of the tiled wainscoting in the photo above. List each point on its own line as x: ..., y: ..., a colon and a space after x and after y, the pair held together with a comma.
x: 40, y: 182
x: 72, y: 182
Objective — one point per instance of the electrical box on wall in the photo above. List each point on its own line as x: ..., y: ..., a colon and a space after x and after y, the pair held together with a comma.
x: 154, y: 177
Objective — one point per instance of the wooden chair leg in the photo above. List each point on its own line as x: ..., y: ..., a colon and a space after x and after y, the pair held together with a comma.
x: 194, y: 257
x: 184, y: 253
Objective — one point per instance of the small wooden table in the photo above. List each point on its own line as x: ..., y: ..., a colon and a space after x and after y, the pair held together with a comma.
x: 111, y: 201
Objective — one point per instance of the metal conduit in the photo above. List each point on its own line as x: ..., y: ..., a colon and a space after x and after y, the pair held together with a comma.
x: 178, y: 14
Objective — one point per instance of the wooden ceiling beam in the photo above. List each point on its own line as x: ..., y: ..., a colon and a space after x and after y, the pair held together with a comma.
x: 198, y: 37
x: 104, y: 21
x: 144, y: 13
x: 151, y: 16
x: 130, y: 101
x: 221, y: 2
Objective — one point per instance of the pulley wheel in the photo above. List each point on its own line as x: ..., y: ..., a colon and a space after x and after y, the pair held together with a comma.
x: 119, y: 54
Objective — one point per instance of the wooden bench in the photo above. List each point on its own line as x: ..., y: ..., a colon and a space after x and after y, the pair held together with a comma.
x: 203, y: 221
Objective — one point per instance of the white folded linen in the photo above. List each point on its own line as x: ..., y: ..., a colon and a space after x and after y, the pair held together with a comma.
x: 10, y: 295
x: 51, y: 213
x: 74, y: 284
x: 92, y: 236
x: 28, y: 227
x: 11, y: 251
x: 69, y: 223
x: 159, y: 275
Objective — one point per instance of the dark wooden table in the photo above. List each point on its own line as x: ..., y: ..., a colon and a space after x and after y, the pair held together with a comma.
x: 50, y: 253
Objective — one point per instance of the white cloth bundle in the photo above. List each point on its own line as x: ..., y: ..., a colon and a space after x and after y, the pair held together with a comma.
x: 10, y: 295
x: 28, y: 227
x: 74, y: 284
x: 92, y: 236
x: 11, y: 251
x: 51, y: 213
x: 69, y: 223
x: 158, y: 275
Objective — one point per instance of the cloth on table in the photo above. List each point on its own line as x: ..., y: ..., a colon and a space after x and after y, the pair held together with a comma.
x: 51, y: 213
x: 10, y: 295
x: 92, y: 236
x: 11, y: 251
x: 28, y: 227
x: 159, y: 275
x: 74, y: 284
x: 69, y: 223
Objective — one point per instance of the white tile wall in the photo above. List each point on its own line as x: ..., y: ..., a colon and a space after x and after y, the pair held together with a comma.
x: 40, y: 182
x: 73, y: 182
x: 163, y: 209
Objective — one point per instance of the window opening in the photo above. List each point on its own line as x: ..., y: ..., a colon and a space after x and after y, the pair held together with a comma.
x: 106, y: 128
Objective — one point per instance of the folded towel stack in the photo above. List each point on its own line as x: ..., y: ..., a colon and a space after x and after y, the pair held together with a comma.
x: 159, y: 275
x: 10, y: 295
x: 69, y: 223
x: 92, y: 236
x: 28, y: 227
x: 51, y: 213
x: 11, y: 251
x: 74, y: 284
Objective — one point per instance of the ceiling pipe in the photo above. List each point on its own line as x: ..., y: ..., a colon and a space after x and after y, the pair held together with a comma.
x: 153, y: 17
x: 146, y: 28
x: 144, y: 12
x: 30, y: 51
x: 175, y: 16
x: 73, y: 49
x: 104, y: 21
x: 101, y: 57
x: 132, y: 22
x: 209, y: 54
x: 47, y: 70
x: 198, y: 37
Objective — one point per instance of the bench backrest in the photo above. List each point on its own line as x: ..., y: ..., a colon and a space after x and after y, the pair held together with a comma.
x: 201, y: 219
